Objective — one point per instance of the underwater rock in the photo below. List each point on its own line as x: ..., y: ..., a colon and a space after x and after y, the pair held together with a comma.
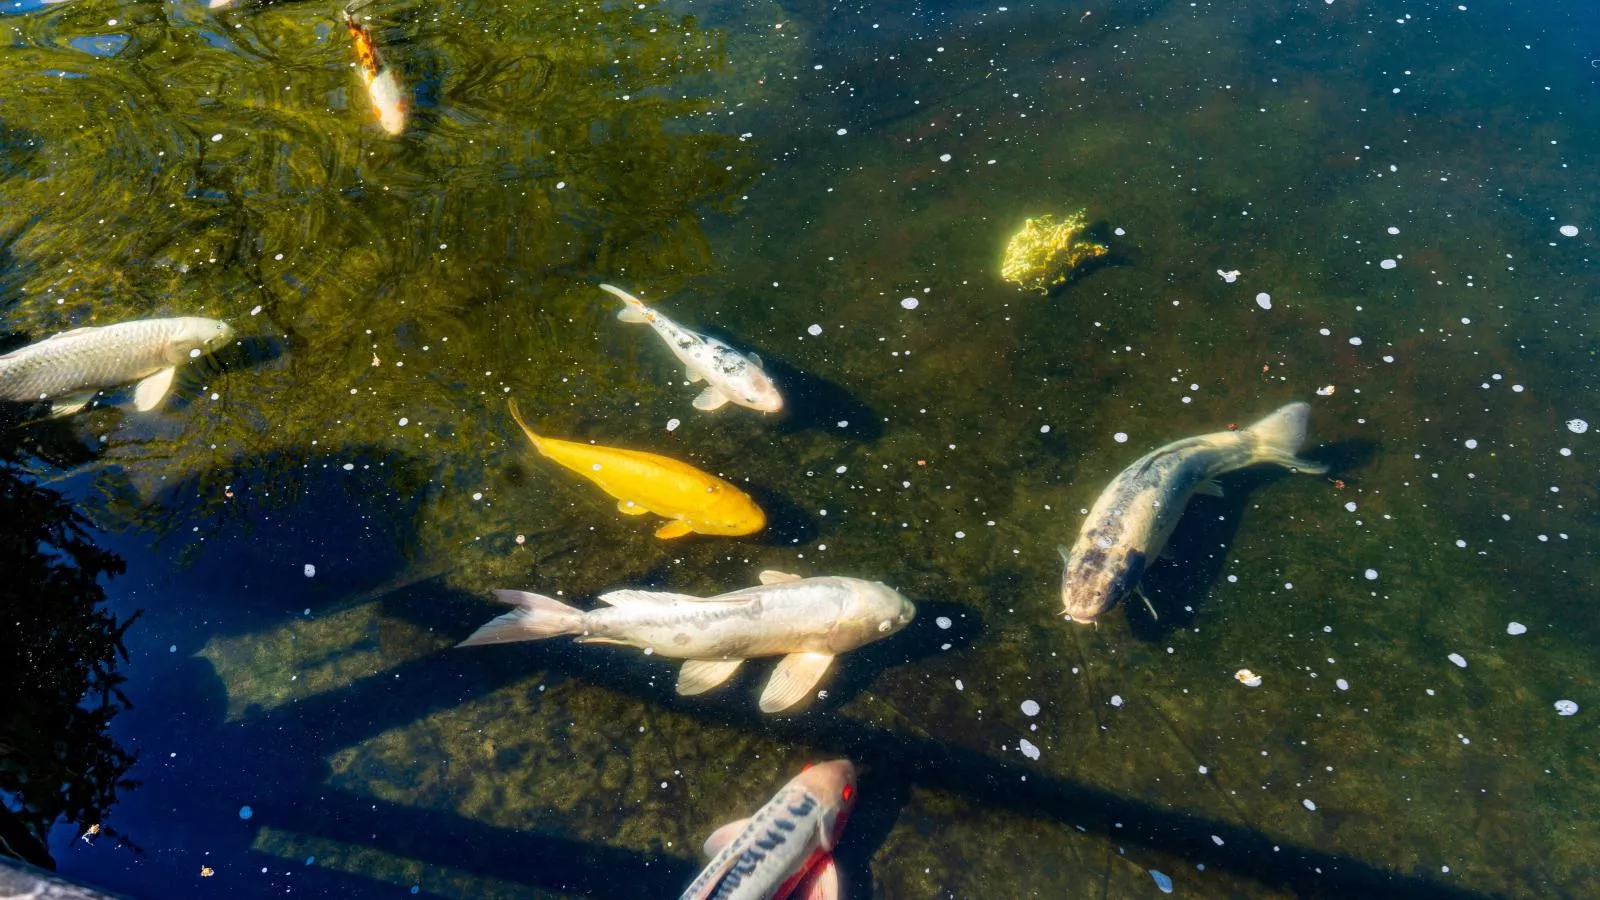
x: 1048, y: 253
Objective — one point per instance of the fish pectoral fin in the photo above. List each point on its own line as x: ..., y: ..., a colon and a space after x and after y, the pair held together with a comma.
x: 632, y: 597
x: 630, y: 508
x: 700, y: 675
x: 631, y: 315
x: 820, y: 882
x: 710, y: 400
x: 674, y: 529
x: 148, y: 394
x: 1066, y: 555
x: 1211, y: 488
x: 66, y: 406
x: 793, y: 680
x: 723, y: 836
x: 754, y: 360
x: 693, y: 376
x: 772, y: 576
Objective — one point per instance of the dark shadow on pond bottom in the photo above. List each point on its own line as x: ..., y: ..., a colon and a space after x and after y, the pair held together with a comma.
x: 815, y: 403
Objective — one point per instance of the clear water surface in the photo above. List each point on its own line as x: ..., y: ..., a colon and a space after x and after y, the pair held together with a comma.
x: 314, y: 520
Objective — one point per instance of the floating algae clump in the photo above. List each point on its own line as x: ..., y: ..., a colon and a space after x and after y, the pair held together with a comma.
x: 1046, y: 253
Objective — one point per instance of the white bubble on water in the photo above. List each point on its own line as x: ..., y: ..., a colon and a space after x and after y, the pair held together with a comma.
x: 1515, y: 628
x: 842, y: 132
x: 1120, y: 437
x: 404, y: 421
x: 1387, y: 264
x: 1472, y: 443
x: 1569, y: 231
x: 1350, y: 506
x: 1566, y: 708
x: 813, y: 329
x: 1264, y: 300
x: 311, y: 571
x: 1342, y: 684
x: 1393, y: 230
x: 1030, y: 708
x: 1565, y: 451
x: 909, y: 302
x: 1028, y: 749
x: 1309, y: 805
x: 672, y: 424
x: 1116, y: 699
x: 1577, y: 426
x: 1215, y: 839
x: 1163, y: 881
x: 943, y: 622
x: 1119, y: 232
x: 959, y: 685
x: 1355, y: 342
x: 944, y: 157
x: 1458, y: 659
x: 1372, y: 574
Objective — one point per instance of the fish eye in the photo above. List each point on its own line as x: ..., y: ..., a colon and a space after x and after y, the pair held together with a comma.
x: 884, y: 626
x: 848, y: 792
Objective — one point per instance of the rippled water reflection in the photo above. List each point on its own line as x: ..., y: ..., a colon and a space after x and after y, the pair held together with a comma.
x: 758, y: 180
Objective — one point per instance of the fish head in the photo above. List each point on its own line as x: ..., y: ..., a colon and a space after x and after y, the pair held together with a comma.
x: 728, y: 511
x: 195, y: 335
x: 870, y: 612
x: 833, y: 784
x: 1096, y: 577
x: 756, y: 391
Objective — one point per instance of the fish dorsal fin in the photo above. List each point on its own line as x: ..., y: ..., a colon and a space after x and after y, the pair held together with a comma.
x: 710, y: 400
x: 820, y: 882
x: 630, y: 597
x: 772, y: 576
x: 148, y: 394
x: 723, y: 836
x: 793, y: 680
x: 755, y: 360
x: 1210, y: 488
x: 700, y: 675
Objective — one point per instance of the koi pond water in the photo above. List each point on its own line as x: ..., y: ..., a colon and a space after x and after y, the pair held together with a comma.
x: 231, y: 585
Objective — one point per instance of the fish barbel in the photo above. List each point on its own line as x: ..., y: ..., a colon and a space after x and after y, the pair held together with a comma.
x: 68, y: 369
x: 786, y: 848
x: 1131, y: 521
x: 729, y: 375
x: 695, y: 501
x: 807, y: 620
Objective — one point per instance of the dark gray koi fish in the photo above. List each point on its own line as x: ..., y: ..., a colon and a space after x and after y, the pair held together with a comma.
x: 1131, y: 521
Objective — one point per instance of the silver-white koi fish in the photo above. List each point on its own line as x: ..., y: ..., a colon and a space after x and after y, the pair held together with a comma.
x: 68, y: 369
x: 729, y: 375
x: 786, y: 848
x: 807, y: 620
x: 1130, y: 523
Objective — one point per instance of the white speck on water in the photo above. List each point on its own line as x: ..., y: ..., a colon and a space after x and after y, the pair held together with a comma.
x: 1116, y: 699
x: 1229, y: 276
x: 1233, y: 579
x: 561, y: 185
x: 173, y: 649
x: 1309, y: 805
x: 246, y: 812
x: 1515, y: 628
x: 1566, y: 708
x: 910, y: 302
x: 961, y: 534
x: 1471, y: 443
x: 311, y: 571
x: 404, y: 421
x: 959, y: 685
x: 477, y: 495
x: 1393, y: 230
x: 840, y: 470
x: 1118, y: 231
x: 1350, y: 506
x: 255, y: 311
x: 672, y: 424
x: 1569, y: 231
x: 1516, y: 389
x: 1342, y: 684
x: 1388, y: 359
x: 944, y: 157
x: 1388, y: 264
x: 1372, y: 574
x: 649, y: 651
x: 1264, y: 300
x: 943, y: 622
x: 1163, y: 881
x: 1577, y: 426
x: 1204, y: 770
x: 842, y: 132
x: 1565, y: 451
x: 1044, y: 429
x: 1030, y: 707
x: 349, y: 467
x: 216, y: 137
x: 1215, y: 839
x: 1324, y: 332
x: 813, y: 329
x: 1355, y: 342
x: 1120, y: 437
x: 1028, y: 749
x: 1458, y: 659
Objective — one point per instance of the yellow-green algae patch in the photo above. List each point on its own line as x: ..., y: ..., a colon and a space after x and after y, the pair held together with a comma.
x: 1048, y: 253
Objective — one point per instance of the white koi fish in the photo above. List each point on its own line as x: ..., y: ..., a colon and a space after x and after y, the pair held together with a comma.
x: 728, y: 374
x: 1130, y: 523
x: 786, y: 848
x: 807, y: 620
x: 68, y: 369
x: 383, y: 85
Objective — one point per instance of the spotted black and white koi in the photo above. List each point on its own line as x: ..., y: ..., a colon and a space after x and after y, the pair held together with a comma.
x: 1134, y: 516
x: 786, y: 848
x: 730, y: 376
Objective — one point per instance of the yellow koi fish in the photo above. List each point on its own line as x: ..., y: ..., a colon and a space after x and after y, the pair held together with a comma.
x: 383, y: 85
x: 646, y: 483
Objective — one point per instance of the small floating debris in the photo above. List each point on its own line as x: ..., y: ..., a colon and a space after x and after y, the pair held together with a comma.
x: 1371, y: 574
x: 1120, y: 437
x: 311, y: 571
x: 1309, y: 805
x: 246, y: 812
x: 1116, y: 700
x: 1247, y: 678
x: 1030, y: 707
x: 672, y: 424
x: 813, y: 329
x: 1458, y: 659
x: 1028, y: 749
x: 207, y: 871
x: 910, y: 302
x: 1577, y: 426
x: 1163, y: 881
x: 1326, y: 390
x: 1229, y: 276
x: 1569, y: 231
x: 1388, y: 264
x: 1342, y: 684
x: 1516, y: 628
x: 1566, y: 708
x: 943, y: 622
x: 1264, y: 300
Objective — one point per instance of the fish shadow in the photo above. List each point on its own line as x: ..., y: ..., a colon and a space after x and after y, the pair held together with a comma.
x: 787, y: 522
x: 816, y: 403
x: 856, y: 670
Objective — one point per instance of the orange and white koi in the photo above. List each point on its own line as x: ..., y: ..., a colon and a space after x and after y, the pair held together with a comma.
x: 383, y: 85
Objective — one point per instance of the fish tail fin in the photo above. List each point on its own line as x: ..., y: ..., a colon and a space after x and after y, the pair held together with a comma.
x: 516, y: 416
x: 1279, y: 436
x: 536, y: 617
x: 633, y: 310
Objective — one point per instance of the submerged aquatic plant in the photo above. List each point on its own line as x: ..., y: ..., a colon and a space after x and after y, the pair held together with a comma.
x: 1048, y: 253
